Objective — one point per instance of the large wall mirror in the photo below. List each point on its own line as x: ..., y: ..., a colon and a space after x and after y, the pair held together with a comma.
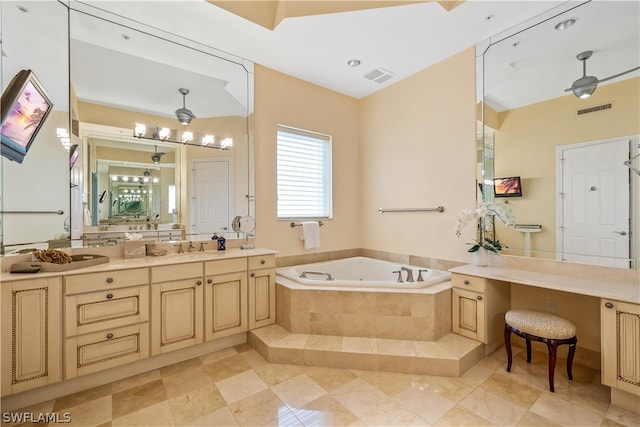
x: 191, y: 168
x: 576, y: 157
x: 35, y: 194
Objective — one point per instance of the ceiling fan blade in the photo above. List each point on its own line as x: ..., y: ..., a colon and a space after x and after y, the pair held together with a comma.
x: 618, y: 75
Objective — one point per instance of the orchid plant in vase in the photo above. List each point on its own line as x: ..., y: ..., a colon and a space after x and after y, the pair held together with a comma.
x: 483, y: 216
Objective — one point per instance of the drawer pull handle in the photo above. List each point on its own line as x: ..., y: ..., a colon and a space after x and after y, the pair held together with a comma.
x: 608, y: 305
x: 109, y: 296
x: 109, y: 336
x: 209, y: 281
x: 199, y: 282
x: 479, y: 297
x: 109, y: 279
x: 253, y: 275
x: 263, y: 262
x: 466, y: 282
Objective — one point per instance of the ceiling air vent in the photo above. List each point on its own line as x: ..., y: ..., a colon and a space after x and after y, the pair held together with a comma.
x: 595, y: 109
x: 379, y: 75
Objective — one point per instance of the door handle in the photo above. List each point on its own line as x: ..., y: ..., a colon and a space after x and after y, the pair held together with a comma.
x: 622, y: 233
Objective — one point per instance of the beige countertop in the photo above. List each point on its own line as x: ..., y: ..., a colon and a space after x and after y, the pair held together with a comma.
x: 147, y: 261
x: 600, y: 287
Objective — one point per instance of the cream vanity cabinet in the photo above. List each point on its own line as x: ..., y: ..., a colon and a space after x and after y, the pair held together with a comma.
x: 225, y: 297
x: 620, y: 342
x: 106, y: 320
x: 176, y: 306
x: 478, y: 309
x: 31, y: 334
x: 262, y: 291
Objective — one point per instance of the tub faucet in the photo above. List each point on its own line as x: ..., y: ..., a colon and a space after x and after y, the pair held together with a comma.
x: 409, y: 273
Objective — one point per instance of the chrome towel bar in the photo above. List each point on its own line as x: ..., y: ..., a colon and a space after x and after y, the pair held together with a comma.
x: 293, y: 224
x: 438, y: 209
x: 60, y: 212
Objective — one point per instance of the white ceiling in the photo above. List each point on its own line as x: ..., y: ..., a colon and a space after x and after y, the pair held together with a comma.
x: 401, y: 39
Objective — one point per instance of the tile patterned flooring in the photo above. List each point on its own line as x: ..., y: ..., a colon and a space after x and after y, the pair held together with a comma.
x: 237, y: 387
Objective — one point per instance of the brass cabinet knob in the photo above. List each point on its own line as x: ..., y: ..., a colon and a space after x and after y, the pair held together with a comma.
x: 199, y: 282
x: 253, y: 275
x: 109, y: 279
x: 109, y: 296
x: 109, y: 336
x: 466, y: 282
x: 263, y: 262
x: 479, y: 297
x: 209, y: 281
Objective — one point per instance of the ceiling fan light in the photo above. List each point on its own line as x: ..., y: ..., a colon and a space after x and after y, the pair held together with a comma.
x: 584, y: 86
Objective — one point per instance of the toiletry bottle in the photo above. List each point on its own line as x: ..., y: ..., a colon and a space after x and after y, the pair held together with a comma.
x: 222, y: 246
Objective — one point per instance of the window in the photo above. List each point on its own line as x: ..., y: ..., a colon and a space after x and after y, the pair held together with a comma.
x: 172, y: 199
x: 303, y: 174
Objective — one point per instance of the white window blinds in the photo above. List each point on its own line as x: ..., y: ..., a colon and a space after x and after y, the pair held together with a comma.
x: 303, y: 174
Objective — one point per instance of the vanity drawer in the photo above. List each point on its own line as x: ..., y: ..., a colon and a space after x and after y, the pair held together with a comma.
x: 168, y: 273
x: 94, y: 352
x: 80, y: 283
x: 86, y: 313
x: 472, y: 283
x: 224, y: 266
x: 264, y: 261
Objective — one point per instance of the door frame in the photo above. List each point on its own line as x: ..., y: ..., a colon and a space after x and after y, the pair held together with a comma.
x: 634, y: 187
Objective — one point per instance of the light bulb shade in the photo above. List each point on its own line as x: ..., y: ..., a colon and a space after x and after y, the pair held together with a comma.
x: 187, y: 137
x: 226, y: 143
x: 185, y: 116
x: 207, y: 140
x: 156, y: 157
x: 584, y: 86
x: 139, y: 130
x: 164, y: 133
x: 146, y: 174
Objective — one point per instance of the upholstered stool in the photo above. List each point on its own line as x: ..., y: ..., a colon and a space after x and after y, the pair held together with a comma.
x: 540, y: 326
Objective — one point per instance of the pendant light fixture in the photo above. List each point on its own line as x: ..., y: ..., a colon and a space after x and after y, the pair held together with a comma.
x: 184, y: 114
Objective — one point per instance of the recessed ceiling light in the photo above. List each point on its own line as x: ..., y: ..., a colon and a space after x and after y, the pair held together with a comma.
x: 353, y: 62
x: 565, y: 24
x: 23, y: 9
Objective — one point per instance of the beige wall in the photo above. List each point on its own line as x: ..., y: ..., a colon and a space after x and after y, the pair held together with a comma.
x: 282, y: 99
x: 527, y: 139
x: 418, y: 149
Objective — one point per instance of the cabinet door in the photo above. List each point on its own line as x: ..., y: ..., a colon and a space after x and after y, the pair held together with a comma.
x: 620, y: 323
x: 262, y: 298
x: 176, y: 315
x: 468, y: 314
x: 225, y: 305
x: 31, y: 334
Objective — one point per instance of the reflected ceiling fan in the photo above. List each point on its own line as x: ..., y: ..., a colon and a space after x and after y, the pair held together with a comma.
x: 586, y: 85
x: 157, y: 156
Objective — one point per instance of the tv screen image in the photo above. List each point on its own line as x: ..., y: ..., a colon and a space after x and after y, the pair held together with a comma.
x: 507, y: 187
x: 25, y: 106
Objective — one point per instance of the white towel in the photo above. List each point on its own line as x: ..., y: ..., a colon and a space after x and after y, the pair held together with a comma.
x: 87, y: 216
x: 310, y: 233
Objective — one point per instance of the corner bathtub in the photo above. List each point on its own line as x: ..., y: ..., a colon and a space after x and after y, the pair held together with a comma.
x: 361, y: 272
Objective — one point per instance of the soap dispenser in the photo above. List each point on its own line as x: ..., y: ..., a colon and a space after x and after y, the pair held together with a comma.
x: 222, y: 244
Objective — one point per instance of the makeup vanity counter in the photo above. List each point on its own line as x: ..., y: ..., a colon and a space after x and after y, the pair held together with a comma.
x: 64, y: 331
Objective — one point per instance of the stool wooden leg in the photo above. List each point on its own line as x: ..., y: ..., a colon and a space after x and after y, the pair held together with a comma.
x: 552, y: 345
x: 528, y: 350
x: 507, y: 344
x: 572, y: 352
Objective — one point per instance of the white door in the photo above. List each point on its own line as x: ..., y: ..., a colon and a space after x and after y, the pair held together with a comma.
x: 209, y: 198
x: 594, y: 203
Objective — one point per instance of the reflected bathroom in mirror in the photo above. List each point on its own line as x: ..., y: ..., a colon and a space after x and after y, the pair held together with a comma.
x: 572, y: 153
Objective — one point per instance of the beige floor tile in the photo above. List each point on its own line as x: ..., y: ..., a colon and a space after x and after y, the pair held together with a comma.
x: 221, y: 417
x: 136, y: 398
x: 218, y: 355
x: 186, y: 380
x: 253, y: 358
x: 427, y: 404
x: 285, y: 419
x: 155, y: 415
x: 493, y: 408
x: 324, y: 342
x: 451, y: 388
x: 275, y: 373
x: 241, y: 348
x: 392, y: 413
x: 329, y: 378
x: 195, y: 404
x: 136, y: 380
x: 269, y: 334
x: 227, y: 367
x: 607, y: 422
x: 529, y: 419
x: 554, y: 408
x: 91, y: 413
x: 259, y: 408
x: 359, y: 397
x: 75, y: 399
x: 324, y: 411
x: 387, y: 382
x: 37, y: 409
x: 181, y: 366
x: 359, y: 345
x: 623, y: 416
x: 240, y: 386
x: 298, y: 391
x: 503, y: 385
x: 459, y: 416
x: 477, y: 375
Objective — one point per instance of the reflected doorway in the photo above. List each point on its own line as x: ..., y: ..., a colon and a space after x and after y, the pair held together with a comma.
x: 211, y: 186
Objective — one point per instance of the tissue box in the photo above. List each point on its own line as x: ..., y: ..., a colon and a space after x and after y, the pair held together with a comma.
x: 135, y: 248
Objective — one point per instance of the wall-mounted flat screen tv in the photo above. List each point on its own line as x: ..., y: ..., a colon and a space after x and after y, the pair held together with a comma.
x: 24, y: 107
x: 507, y: 187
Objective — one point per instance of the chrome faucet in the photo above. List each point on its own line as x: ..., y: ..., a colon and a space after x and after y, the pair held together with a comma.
x: 409, y: 274
x: 399, y: 273
x: 420, y: 279
x: 191, y: 246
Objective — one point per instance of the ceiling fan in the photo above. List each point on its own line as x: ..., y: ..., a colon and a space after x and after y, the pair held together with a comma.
x: 586, y: 85
x: 157, y: 156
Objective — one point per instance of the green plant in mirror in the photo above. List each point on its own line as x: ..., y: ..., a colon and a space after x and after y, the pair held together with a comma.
x: 484, y: 216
